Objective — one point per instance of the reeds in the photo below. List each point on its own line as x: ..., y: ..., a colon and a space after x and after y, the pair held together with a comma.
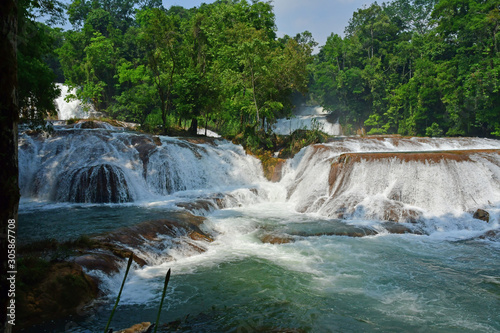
x: 167, y: 279
x: 119, y: 293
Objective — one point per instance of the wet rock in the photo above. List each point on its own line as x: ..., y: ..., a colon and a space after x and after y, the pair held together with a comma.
x: 104, y: 183
x: 272, y: 167
x: 91, y: 124
x: 157, y: 141
x: 481, y: 214
x: 200, y: 237
x: 138, y: 328
x: 180, y: 228
x: 493, y: 235
x: 212, y: 202
x: 180, y: 224
x: 276, y: 239
x: 396, y: 212
x: 98, y: 261
x: 398, y: 228
x: 145, y: 146
x: 63, y: 291
x: 201, y: 140
x: 201, y: 205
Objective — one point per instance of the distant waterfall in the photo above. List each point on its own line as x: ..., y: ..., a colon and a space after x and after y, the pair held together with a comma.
x: 74, y: 108
x: 308, y: 117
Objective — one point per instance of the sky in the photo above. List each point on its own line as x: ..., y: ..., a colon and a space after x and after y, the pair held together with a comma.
x: 320, y: 17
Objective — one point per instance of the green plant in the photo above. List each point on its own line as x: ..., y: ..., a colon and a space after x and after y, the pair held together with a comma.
x: 167, y: 278
x: 120, y: 292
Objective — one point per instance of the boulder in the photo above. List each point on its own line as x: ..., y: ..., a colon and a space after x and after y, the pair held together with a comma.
x: 104, y: 183
x: 481, y: 214
x: 276, y: 239
x: 61, y: 292
x: 99, y: 261
x: 138, y: 328
x: 493, y: 235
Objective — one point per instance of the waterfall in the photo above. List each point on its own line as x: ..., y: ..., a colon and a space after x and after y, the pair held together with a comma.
x: 376, y: 178
x: 308, y: 117
x: 74, y: 108
x: 107, y: 165
x: 395, y: 179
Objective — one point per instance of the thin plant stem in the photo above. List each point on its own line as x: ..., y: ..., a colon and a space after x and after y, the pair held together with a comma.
x: 167, y: 278
x: 119, y: 294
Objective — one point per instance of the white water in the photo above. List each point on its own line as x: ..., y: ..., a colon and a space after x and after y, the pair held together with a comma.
x: 72, y: 109
x: 443, y: 280
x: 443, y: 193
x: 70, y: 165
x: 307, y: 117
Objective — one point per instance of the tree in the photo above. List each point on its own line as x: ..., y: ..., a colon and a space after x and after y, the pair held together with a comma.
x: 9, y: 113
x: 37, y: 89
x: 99, y: 66
x: 160, y: 39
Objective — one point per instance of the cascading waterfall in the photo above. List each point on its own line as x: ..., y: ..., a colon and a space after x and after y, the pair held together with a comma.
x: 279, y: 245
x: 396, y: 179
x: 108, y: 165
x: 72, y: 109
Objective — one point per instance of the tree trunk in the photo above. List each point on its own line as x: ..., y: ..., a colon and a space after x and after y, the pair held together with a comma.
x: 206, y: 123
x: 193, y: 130
x: 9, y: 114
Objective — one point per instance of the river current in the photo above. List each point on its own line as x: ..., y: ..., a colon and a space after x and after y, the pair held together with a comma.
x: 443, y: 275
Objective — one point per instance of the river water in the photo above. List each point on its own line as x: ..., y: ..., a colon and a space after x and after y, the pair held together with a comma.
x: 443, y: 277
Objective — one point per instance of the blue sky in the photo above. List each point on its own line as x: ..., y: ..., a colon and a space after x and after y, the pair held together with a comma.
x: 320, y: 17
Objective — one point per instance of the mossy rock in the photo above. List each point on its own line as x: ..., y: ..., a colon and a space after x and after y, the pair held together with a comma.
x: 57, y: 291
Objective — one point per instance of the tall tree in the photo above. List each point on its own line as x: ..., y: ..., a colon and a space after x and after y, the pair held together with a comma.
x: 161, y: 40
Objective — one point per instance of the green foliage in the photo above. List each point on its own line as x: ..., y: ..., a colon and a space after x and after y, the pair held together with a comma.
x: 31, y: 270
x: 36, y: 90
x: 412, y: 67
x: 415, y: 67
x: 434, y: 130
x: 299, y: 139
x: 219, y: 64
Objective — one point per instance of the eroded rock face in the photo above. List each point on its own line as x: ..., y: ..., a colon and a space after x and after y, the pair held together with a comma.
x: 273, y: 168
x: 138, y: 328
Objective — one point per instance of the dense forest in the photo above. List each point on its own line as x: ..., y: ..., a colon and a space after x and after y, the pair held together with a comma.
x: 422, y: 67
x: 411, y: 67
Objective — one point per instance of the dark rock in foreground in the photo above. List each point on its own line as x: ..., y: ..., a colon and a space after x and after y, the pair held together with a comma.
x: 62, y: 291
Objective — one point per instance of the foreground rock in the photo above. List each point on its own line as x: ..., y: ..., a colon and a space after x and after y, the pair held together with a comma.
x: 481, y: 214
x: 51, y: 291
x: 151, y: 242
x: 145, y: 327
x: 334, y: 228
